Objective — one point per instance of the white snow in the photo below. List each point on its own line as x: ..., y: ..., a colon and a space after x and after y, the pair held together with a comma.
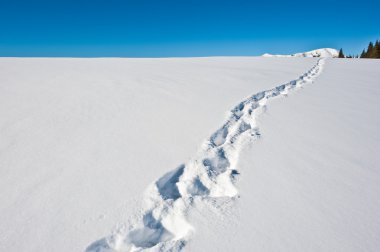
x: 312, y: 181
x: 90, y: 146
x: 323, y: 52
x: 210, y: 175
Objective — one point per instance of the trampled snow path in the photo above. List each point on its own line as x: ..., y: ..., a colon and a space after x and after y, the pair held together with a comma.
x: 210, y: 174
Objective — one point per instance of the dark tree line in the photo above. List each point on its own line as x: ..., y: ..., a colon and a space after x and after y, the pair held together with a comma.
x: 372, y: 52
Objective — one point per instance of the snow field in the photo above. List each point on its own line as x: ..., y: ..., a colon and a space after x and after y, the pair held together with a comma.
x: 210, y: 174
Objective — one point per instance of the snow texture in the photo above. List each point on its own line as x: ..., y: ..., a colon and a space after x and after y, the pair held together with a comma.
x: 80, y: 139
x: 210, y: 174
x: 312, y: 181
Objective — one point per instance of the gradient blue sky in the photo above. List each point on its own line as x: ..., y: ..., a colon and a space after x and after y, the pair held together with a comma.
x: 141, y: 28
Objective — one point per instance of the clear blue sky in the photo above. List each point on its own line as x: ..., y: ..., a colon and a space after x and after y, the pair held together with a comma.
x: 165, y: 28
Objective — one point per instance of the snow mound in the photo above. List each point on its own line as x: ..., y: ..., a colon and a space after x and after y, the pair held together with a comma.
x: 323, y: 53
x: 210, y: 174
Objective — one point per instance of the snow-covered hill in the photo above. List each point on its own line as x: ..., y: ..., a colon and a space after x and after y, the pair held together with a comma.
x: 195, y: 154
x: 323, y: 52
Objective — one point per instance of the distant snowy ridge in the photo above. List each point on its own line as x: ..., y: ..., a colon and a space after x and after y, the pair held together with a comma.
x: 210, y: 174
x: 323, y: 53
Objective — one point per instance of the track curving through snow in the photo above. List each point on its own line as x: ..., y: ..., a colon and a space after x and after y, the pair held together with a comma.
x: 210, y: 174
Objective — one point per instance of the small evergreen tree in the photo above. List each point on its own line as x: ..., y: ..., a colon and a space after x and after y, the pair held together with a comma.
x: 341, y: 54
x: 370, y: 50
x: 363, y: 55
x: 376, y: 50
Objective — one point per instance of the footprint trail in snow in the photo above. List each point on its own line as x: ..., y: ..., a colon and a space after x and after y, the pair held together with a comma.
x: 210, y: 174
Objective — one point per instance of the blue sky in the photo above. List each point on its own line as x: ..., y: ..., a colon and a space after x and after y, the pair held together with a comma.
x: 166, y: 28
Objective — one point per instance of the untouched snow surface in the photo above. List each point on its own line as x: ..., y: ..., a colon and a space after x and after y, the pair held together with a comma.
x: 82, y: 139
x: 323, y: 52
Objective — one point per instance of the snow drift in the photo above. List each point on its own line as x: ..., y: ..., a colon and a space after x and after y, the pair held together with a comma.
x: 323, y: 52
